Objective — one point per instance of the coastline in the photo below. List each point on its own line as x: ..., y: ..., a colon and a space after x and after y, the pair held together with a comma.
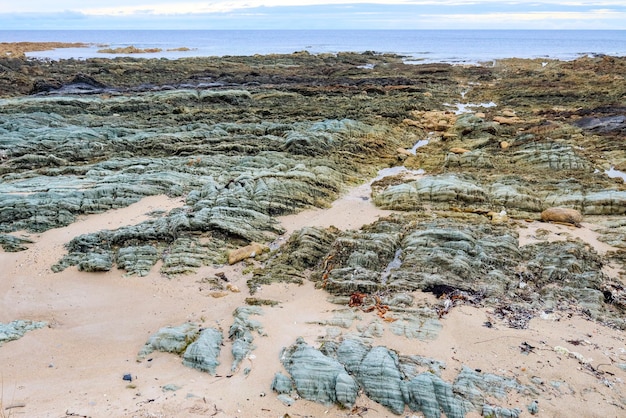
x: 20, y: 49
x: 299, y: 147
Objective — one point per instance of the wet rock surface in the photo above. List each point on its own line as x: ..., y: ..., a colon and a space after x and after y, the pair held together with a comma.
x: 241, y: 141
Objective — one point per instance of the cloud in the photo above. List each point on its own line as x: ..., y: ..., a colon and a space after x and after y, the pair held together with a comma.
x: 338, y: 14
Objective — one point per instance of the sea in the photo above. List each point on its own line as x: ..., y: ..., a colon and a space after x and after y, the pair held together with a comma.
x: 417, y: 46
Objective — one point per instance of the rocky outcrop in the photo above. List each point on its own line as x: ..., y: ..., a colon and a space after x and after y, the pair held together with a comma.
x: 318, y: 377
x: 16, y: 329
x: 241, y: 333
x: 335, y: 373
x: 514, y: 194
x: 203, y: 353
x: 170, y: 340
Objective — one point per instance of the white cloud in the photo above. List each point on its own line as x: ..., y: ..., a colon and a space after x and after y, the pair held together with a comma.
x: 365, y: 14
x: 128, y: 7
x: 530, y: 16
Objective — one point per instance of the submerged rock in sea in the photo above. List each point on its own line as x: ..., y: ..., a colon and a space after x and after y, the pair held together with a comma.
x: 16, y: 329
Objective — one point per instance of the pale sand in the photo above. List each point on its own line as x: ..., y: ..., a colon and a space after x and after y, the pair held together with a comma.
x: 98, y: 323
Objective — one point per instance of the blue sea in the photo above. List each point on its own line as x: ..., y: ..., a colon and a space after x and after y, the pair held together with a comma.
x: 453, y: 46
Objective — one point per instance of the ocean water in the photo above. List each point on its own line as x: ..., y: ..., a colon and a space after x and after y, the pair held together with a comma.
x: 454, y: 46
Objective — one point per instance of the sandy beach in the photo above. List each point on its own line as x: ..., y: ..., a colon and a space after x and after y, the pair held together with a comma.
x: 126, y: 184
x: 99, y: 321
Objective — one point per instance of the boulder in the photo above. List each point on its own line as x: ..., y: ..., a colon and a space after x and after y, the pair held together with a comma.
x: 563, y: 215
x: 170, y: 339
x: 203, y: 353
x: 249, y: 251
x: 317, y: 377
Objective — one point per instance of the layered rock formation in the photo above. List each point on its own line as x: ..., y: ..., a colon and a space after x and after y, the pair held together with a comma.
x: 241, y: 141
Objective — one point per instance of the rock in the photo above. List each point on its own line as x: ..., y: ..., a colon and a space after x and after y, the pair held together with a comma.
x: 304, y: 249
x: 16, y: 329
x: 604, y: 124
x: 249, y: 251
x: 442, y: 190
x: 533, y: 408
x: 564, y: 215
x: 240, y: 333
x: 456, y: 150
x: 317, y: 377
x: 379, y: 375
x: 286, y: 400
x: 170, y: 340
x: 282, y: 384
x: 474, y: 387
x: 507, y: 120
x: 499, y: 412
x: 137, y: 259
x: 430, y: 395
x: 13, y: 244
x: 498, y: 217
x: 380, y: 372
x: 203, y: 353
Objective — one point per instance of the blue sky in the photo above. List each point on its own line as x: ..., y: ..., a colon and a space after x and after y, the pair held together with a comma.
x: 312, y: 14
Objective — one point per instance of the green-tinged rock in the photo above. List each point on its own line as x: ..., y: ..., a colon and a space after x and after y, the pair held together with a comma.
x: 203, y: 353
x: 413, y: 365
x: 282, y: 384
x: 93, y: 262
x: 137, y: 259
x: 186, y: 255
x: 170, y: 340
x: 13, y: 244
x: 490, y: 411
x: 285, y: 399
x: 16, y: 329
x: 476, y: 388
x: 379, y: 375
x: 317, y: 377
x: 422, y: 325
x: 341, y: 368
x: 240, y: 333
x: 305, y: 249
x: 430, y: 395
x: 343, y: 318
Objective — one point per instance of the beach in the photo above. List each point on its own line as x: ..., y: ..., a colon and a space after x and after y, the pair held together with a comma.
x: 179, y: 164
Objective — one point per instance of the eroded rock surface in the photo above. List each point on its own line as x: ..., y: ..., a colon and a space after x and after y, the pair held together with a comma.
x: 334, y: 374
x: 16, y: 329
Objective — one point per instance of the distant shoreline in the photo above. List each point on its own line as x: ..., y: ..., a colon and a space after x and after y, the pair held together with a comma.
x: 19, y: 49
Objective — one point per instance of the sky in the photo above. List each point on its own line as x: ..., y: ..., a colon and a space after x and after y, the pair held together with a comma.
x: 312, y: 14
